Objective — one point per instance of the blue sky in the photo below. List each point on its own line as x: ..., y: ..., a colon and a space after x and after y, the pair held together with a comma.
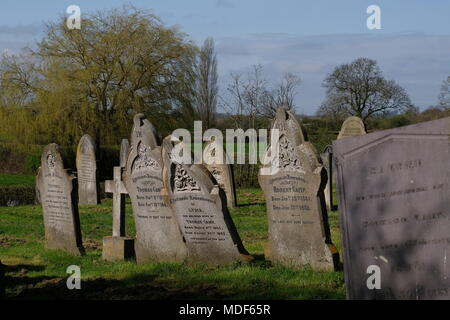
x: 307, y: 38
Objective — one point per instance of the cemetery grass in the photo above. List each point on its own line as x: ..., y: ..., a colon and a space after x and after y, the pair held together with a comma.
x: 33, y: 272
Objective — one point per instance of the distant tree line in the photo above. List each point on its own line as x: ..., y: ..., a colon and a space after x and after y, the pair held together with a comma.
x: 126, y: 61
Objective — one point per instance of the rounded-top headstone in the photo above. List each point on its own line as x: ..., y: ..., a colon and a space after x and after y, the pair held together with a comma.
x: 59, y: 203
x: 352, y: 126
x: 87, y: 174
x: 124, y: 151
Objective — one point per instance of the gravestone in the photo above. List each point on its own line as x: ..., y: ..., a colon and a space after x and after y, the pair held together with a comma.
x: 327, y: 161
x: 201, y: 211
x: 118, y: 247
x: 158, y: 237
x: 88, y: 186
x: 352, y: 126
x: 36, y: 188
x: 293, y: 180
x: 215, y: 160
x: 143, y: 131
x: 124, y: 151
x: 394, y: 188
x: 58, y: 193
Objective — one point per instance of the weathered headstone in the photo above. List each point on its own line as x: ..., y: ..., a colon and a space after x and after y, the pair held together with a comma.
x: 201, y: 211
x: 124, y: 151
x: 143, y: 131
x: 215, y: 160
x: 36, y: 188
x: 58, y: 192
x: 394, y: 188
x: 352, y: 126
x: 158, y: 237
x: 327, y: 161
x: 118, y: 247
x: 293, y: 180
x: 88, y: 186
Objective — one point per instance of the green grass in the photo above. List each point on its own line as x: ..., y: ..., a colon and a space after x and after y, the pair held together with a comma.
x: 37, y: 273
x: 16, y: 179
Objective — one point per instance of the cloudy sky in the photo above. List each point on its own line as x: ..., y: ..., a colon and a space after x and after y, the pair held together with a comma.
x: 308, y: 38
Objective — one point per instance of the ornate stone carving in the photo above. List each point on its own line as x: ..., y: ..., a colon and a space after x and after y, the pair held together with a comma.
x: 144, y: 160
x: 287, y: 156
x: 183, y: 181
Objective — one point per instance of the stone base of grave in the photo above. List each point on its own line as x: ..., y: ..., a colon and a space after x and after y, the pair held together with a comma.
x: 118, y: 248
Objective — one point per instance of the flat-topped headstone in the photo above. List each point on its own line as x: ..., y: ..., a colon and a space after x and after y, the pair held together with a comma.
x: 124, y: 151
x: 143, y: 131
x: 158, y: 237
x: 201, y: 211
x: 293, y: 180
x: 394, y: 188
x: 215, y: 160
x: 352, y: 126
x: 58, y: 192
x: 87, y: 175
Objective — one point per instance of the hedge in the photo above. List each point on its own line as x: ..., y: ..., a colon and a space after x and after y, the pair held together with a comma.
x: 17, y: 195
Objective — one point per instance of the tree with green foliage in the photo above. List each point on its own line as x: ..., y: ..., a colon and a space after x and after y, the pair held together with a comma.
x: 93, y: 80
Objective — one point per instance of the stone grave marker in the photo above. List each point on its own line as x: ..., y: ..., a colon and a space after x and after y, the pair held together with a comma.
x: 293, y: 180
x: 352, y: 126
x: 87, y: 174
x: 201, y: 211
x: 124, y: 151
x: 327, y: 160
x: 58, y: 194
x: 118, y: 247
x: 143, y: 131
x: 394, y: 188
x: 215, y: 160
x: 158, y: 236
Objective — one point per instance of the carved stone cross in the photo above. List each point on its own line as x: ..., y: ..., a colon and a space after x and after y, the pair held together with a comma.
x: 118, y: 247
x: 117, y: 188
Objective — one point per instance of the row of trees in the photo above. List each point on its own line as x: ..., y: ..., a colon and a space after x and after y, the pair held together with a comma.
x: 126, y: 61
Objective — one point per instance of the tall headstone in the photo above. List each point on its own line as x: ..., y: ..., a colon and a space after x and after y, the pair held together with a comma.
x: 327, y: 160
x: 201, y: 211
x: 87, y: 174
x: 215, y: 160
x: 293, y: 180
x: 118, y: 246
x: 58, y: 192
x: 158, y: 237
x: 143, y: 131
x: 394, y: 188
x: 124, y: 151
x: 352, y: 126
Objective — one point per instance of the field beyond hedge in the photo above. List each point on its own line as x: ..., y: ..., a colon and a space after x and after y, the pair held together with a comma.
x: 33, y: 272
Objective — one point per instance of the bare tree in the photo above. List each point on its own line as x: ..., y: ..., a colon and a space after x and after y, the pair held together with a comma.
x: 360, y: 89
x: 282, y: 95
x: 444, y: 97
x: 207, y: 87
x: 251, y: 96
